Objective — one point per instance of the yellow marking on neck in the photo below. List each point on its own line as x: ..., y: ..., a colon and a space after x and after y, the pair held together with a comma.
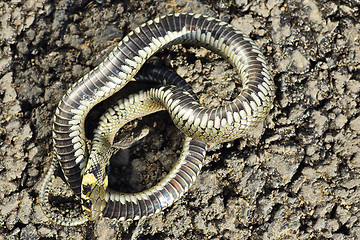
x: 106, y: 182
x: 89, y: 179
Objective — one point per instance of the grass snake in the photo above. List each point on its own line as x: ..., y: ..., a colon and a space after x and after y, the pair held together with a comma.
x: 214, y: 125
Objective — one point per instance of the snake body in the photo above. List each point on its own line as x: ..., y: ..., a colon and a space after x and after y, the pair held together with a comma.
x: 96, y: 198
x: 220, y: 124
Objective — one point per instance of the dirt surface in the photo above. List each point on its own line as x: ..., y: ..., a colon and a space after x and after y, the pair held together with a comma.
x: 295, y: 177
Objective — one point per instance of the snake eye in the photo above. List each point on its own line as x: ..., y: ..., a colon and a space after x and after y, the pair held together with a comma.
x: 87, y: 204
x: 86, y: 189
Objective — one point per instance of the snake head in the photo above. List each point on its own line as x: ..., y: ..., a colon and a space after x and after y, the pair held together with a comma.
x: 93, y: 195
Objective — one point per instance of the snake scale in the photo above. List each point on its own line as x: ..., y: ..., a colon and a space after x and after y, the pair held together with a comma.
x: 216, y: 125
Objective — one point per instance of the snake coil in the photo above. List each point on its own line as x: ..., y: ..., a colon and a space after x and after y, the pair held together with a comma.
x: 219, y: 124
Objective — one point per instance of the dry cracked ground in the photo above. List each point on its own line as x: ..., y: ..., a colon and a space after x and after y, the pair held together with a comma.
x: 295, y: 177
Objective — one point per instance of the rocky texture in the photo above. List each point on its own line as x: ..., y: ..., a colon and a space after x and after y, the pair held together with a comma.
x: 295, y: 177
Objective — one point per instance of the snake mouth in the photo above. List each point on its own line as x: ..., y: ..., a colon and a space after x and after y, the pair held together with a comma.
x: 93, y: 200
x: 95, y: 213
x: 93, y: 210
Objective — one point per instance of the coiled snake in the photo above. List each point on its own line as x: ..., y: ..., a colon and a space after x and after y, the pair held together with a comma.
x: 219, y: 124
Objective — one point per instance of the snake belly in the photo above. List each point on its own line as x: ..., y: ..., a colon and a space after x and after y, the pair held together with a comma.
x: 220, y: 124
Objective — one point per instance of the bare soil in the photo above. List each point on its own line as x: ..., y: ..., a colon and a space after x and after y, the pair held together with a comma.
x: 295, y: 177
